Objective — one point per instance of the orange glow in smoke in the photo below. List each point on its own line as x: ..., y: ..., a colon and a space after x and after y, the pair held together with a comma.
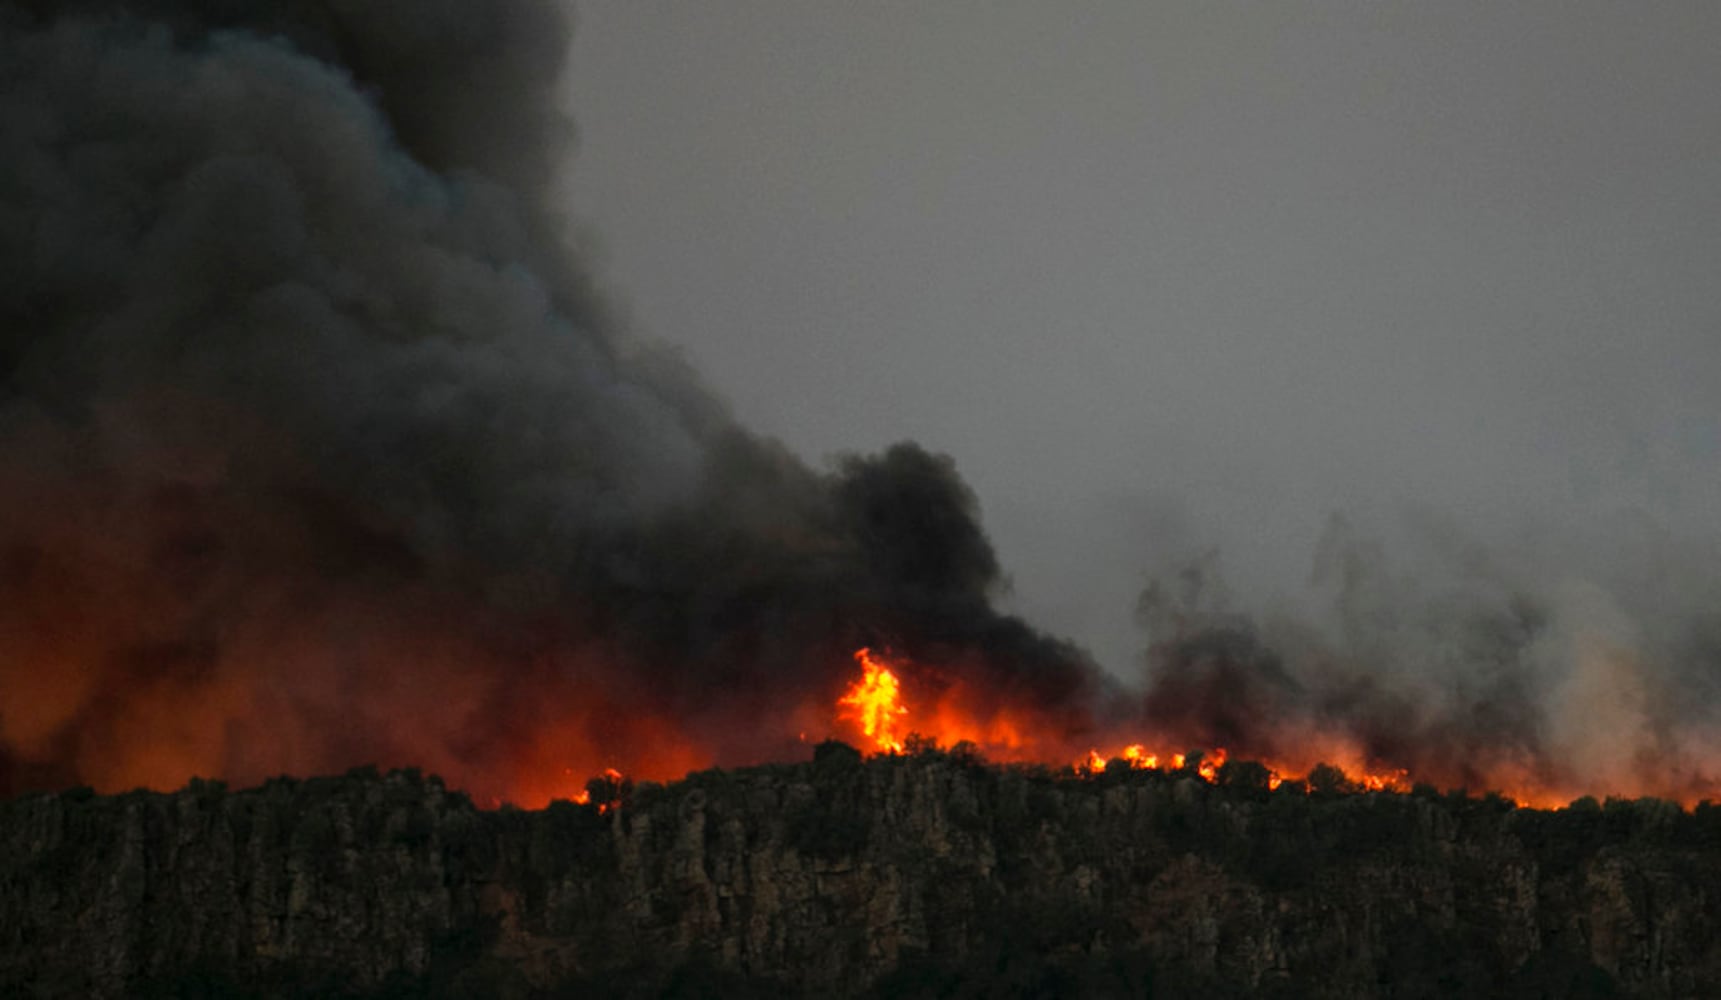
x: 568, y: 734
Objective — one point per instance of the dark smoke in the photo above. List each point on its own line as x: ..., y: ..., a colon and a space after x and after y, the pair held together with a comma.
x: 317, y: 447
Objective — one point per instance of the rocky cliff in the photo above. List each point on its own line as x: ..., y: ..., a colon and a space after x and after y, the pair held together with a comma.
x: 929, y: 874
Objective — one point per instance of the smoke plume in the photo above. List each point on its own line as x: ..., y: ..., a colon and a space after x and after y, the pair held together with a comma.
x: 1555, y: 668
x: 318, y: 448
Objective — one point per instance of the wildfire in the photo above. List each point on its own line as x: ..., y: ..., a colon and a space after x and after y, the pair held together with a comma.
x: 1210, y: 765
x: 875, y: 702
x: 607, y: 785
x: 894, y: 706
x: 877, y: 705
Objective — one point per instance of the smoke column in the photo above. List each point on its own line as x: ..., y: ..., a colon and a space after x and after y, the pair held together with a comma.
x: 317, y: 447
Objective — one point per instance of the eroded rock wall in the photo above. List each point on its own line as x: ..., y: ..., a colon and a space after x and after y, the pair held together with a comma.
x: 929, y: 874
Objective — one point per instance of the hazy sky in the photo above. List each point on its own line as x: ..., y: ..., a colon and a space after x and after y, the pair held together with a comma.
x: 1166, y: 276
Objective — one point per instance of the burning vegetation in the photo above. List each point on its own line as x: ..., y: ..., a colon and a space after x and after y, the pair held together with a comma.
x: 878, y: 710
x: 890, y: 708
x: 318, y: 448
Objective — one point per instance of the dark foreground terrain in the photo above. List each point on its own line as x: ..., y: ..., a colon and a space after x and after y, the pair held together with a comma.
x: 925, y: 875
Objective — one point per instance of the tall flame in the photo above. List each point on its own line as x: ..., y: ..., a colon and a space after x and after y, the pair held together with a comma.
x: 875, y: 702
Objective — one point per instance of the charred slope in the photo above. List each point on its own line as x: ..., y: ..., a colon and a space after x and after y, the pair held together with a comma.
x: 929, y: 874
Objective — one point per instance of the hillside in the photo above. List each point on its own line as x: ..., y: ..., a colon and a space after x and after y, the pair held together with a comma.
x: 926, y: 874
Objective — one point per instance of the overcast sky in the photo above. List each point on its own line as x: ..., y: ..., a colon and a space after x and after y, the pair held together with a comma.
x: 1165, y: 276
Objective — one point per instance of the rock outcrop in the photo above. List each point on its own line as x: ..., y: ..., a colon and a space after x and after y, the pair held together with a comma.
x: 929, y: 874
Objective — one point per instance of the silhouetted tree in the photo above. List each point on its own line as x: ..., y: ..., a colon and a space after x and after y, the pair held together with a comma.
x: 1245, y: 774
x: 1327, y: 779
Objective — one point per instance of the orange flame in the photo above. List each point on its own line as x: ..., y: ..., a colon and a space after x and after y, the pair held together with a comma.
x: 1209, y: 765
x: 877, y: 704
x: 896, y: 705
x: 874, y: 701
x: 611, y: 780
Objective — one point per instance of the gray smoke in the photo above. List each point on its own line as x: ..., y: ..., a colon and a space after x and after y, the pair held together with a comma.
x: 1571, y: 663
x: 318, y: 448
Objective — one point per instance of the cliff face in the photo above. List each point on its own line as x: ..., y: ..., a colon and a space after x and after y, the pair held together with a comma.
x: 929, y: 875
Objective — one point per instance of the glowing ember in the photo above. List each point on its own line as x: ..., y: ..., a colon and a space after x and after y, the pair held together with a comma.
x: 874, y: 702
